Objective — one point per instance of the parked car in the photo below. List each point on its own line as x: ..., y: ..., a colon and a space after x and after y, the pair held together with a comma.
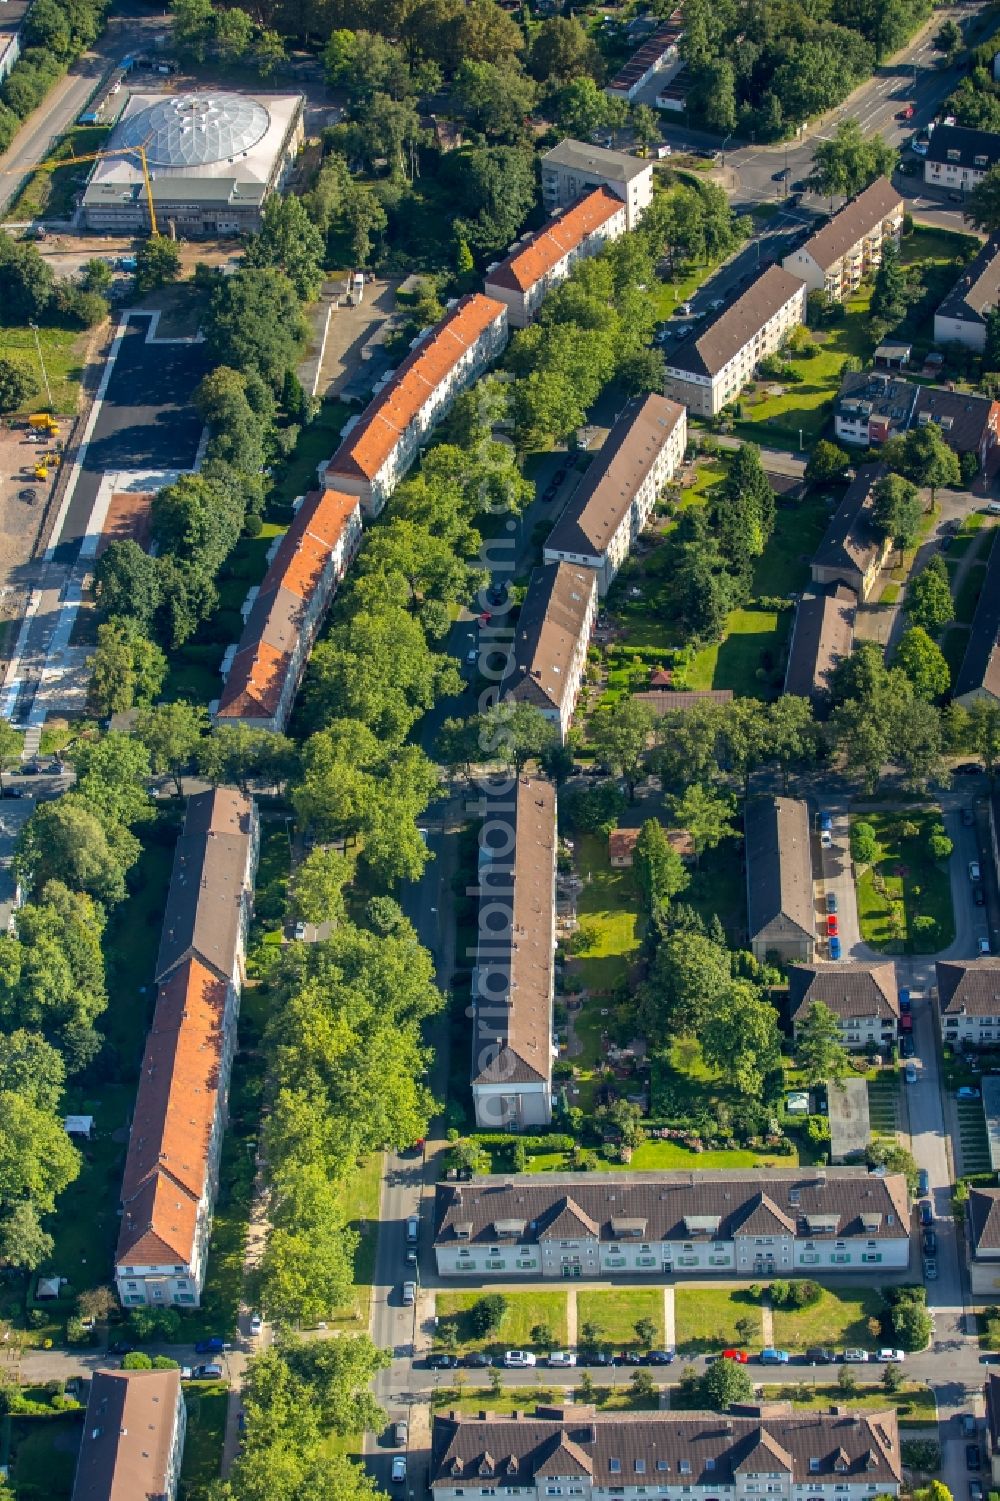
x: 412, y: 1229
x: 211, y: 1346
x: 210, y: 1371
x: 906, y: 1048
x: 975, y: 1490
x: 256, y: 1323
x: 826, y: 839
x: 399, y: 1469
x: 660, y: 1357
x: 978, y: 896
x: 904, y: 999
x: 740, y: 1356
x: 442, y: 1361
x: 973, y: 1458
x: 401, y: 1433
x: 967, y: 1092
x: 926, y: 1212
x: 835, y: 948
x: 781, y: 176
x: 832, y: 925
x: 825, y: 823
x: 983, y: 945
x: 300, y: 930
x: 409, y: 1294
x: 476, y: 1360
x: 973, y: 768
x: 930, y: 1269
x: 561, y: 1359
x: 518, y: 1360
x: 910, y: 1073
x: 599, y: 1358
x: 831, y: 901
x: 120, y: 1347
x: 855, y: 1357
x: 975, y: 873
x: 771, y: 1356
x: 817, y: 1355
x: 891, y: 1357
x: 923, y: 1182
x: 968, y: 818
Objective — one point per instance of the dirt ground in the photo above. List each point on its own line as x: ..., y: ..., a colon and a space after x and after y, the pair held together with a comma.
x: 128, y: 517
x: 20, y: 519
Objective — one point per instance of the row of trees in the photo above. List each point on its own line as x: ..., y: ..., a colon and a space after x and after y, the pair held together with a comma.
x: 55, y: 34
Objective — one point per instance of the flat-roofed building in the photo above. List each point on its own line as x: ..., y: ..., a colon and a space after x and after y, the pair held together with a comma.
x: 548, y: 659
x: 780, y: 909
x: 546, y: 258
x: 513, y: 982
x: 852, y: 553
x: 615, y: 498
x: 709, y: 369
x: 863, y: 998
x: 979, y: 674
x: 574, y: 168
x: 822, y: 638
x: 846, y: 249
x: 656, y: 52
x: 772, y: 1222
x: 968, y: 997
x: 305, y: 573
x: 133, y: 1437
x: 380, y: 447
x: 961, y: 318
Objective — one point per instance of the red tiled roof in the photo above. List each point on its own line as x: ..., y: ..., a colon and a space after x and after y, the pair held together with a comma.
x: 543, y: 252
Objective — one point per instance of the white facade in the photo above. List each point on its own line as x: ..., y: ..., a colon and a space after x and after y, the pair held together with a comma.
x: 523, y: 302
x: 573, y: 168
x: 706, y: 395
x: 952, y: 174
x: 846, y: 274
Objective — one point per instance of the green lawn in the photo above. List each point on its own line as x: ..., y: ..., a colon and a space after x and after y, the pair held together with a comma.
x: 914, y: 1404
x: 708, y: 472
x: 524, y: 1311
x: 207, y: 1404
x: 362, y: 1200
x: 748, y: 658
x: 62, y: 351
x: 609, y: 908
x: 706, y: 1318
x: 839, y: 1318
x: 616, y: 1314
x: 316, y: 442
x: 798, y: 531
x: 43, y: 1454
x: 52, y: 192
x: 660, y: 1155
x: 524, y: 1399
x: 914, y: 885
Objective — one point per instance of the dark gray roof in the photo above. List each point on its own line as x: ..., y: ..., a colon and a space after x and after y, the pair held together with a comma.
x: 578, y: 156
x: 779, y: 863
x: 849, y: 541
x: 977, y: 289
x: 512, y: 1033
x: 736, y: 324
x: 549, y: 629
x: 851, y: 223
x: 779, y: 1201
x: 980, y: 669
x: 848, y: 989
x: 962, y: 417
x: 667, y: 1448
x: 822, y: 637
x: 979, y: 149
x: 969, y: 987
x: 602, y: 500
x: 878, y: 394
x: 984, y: 1219
x: 667, y: 701
x: 204, y: 907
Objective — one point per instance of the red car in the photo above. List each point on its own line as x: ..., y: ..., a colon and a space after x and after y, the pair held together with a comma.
x: 905, y: 114
x: 831, y: 925
x: 740, y: 1356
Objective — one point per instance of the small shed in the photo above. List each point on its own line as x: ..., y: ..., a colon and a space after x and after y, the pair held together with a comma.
x: 47, y: 1287
x: 892, y: 354
x: 79, y: 1125
x: 621, y: 847
x: 661, y: 677
x: 850, y: 1124
x: 797, y: 1103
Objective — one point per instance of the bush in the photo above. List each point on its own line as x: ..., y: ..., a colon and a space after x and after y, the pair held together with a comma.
x: 921, y: 1454
x: 802, y: 1293
x: 487, y: 1314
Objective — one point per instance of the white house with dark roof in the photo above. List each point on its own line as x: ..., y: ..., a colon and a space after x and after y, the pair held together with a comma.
x: 851, y: 552
x: 863, y: 998
x: 961, y: 318
x: 615, y: 498
x: 750, y: 1452
x: 513, y: 981
x: 548, y: 659
x: 693, y: 1224
x: 780, y: 907
x: 982, y: 1216
x: 849, y: 246
x: 959, y: 157
x: 968, y: 997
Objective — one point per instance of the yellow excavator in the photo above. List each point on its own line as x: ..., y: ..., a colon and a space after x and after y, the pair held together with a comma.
x: 101, y: 156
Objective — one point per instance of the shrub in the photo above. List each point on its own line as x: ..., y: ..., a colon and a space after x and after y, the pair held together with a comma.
x: 487, y: 1314
x: 801, y: 1293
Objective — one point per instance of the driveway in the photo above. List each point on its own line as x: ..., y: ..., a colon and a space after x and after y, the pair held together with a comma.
x: 837, y: 877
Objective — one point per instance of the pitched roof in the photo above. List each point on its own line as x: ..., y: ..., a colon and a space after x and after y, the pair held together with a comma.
x: 653, y: 50
x: 822, y: 637
x: 602, y: 500
x: 578, y: 156
x: 673, y: 1206
x: 977, y: 290
x: 276, y: 621
x: 969, y: 144
x: 848, y: 989
x: 980, y: 669
x: 876, y: 394
x: 513, y: 1007
x: 678, y: 702
x: 735, y: 325
x: 984, y: 1219
x: 388, y: 415
x: 857, y: 218
x: 992, y: 1391
x: 128, y: 1435
x: 668, y: 1448
x: 204, y: 907
x: 547, y: 247
x: 779, y: 863
x: 963, y: 417
x: 968, y: 987
x: 550, y: 626
x: 849, y: 541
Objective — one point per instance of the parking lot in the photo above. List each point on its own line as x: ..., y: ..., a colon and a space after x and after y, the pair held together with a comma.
x: 23, y: 498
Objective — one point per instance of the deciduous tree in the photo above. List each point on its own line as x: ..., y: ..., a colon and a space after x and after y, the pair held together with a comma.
x: 819, y: 1051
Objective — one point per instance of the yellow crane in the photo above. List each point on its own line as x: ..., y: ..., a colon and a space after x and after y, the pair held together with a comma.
x: 100, y: 156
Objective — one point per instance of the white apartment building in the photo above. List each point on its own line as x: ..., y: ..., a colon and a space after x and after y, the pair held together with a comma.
x: 849, y: 247
x: 958, y: 157
x: 379, y: 448
x: 548, y: 659
x: 863, y: 998
x: 748, y: 1453
x: 552, y: 1226
x: 616, y: 496
x: 710, y: 369
x: 546, y: 258
x: 968, y: 997
x: 574, y: 168
x: 961, y: 318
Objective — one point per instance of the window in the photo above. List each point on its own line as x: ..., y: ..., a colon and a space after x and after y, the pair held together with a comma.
x: 640, y: 1467
x: 185, y: 1297
x: 814, y: 1466
x: 131, y: 1284
x: 709, y: 1464
x: 661, y: 1464
x: 684, y: 1468
x: 178, y: 1269
x: 615, y: 1466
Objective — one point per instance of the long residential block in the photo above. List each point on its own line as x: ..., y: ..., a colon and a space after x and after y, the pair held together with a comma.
x: 546, y: 258
x: 513, y: 981
x: 710, y: 369
x: 851, y: 552
x: 616, y: 496
x: 549, y: 657
x: 682, y: 1224
x: 133, y: 1437
x: 780, y: 907
x: 172, y: 1164
x: 747, y: 1453
x: 285, y: 617
x: 573, y: 168
x: 383, y: 443
x: 849, y: 247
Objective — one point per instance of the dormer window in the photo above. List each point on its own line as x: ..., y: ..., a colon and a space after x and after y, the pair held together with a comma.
x: 684, y: 1467
x: 814, y: 1466
x: 640, y: 1467
x: 615, y: 1466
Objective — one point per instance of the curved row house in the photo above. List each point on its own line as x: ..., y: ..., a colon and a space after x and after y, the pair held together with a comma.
x: 547, y: 257
x: 285, y: 616
x: 447, y: 359
x: 171, y: 1170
